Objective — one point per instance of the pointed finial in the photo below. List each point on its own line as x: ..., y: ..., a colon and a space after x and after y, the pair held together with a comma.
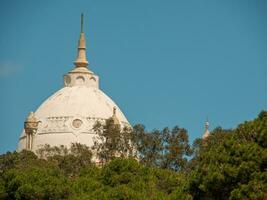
x: 207, y: 124
x: 207, y: 132
x: 82, y: 23
x: 81, y: 60
x: 114, y: 117
x: 31, y: 117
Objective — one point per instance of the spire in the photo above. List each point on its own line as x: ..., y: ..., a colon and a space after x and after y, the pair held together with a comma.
x: 82, y: 23
x: 31, y: 117
x: 81, y: 60
x: 114, y: 117
x: 207, y: 132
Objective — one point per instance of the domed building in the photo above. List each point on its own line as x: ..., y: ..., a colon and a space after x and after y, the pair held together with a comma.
x: 68, y: 116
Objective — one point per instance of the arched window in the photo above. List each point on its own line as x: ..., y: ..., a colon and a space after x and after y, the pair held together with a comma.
x: 80, y: 80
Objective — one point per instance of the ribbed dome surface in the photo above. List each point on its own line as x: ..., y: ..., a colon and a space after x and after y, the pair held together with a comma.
x: 69, y: 115
x: 79, y: 101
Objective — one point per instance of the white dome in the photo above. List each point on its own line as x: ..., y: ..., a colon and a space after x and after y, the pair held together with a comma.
x: 79, y: 101
x: 69, y: 115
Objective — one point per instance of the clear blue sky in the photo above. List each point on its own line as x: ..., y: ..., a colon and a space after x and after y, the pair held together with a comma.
x: 163, y: 62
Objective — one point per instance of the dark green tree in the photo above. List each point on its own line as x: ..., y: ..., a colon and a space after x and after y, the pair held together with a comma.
x: 71, y: 160
x: 228, y: 165
x: 232, y: 164
x: 33, y: 178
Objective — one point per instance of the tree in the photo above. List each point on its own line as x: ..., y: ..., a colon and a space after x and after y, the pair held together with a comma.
x: 176, y: 149
x: 162, y: 148
x: 112, y: 141
x: 33, y: 178
x: 71, y: 160
x: 229, y: 164
x: 149, y: 145
x: 232, y: 164
x: 9, y: 159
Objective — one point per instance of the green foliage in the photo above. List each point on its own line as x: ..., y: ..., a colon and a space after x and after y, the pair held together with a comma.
x: 176, y: 148
x: 9, y: 159
x: 112, y: 141
x: 119, y: 179
x: 70, y: 161
x: 32, y: 178
x: 228, y: 165
x: 162, y: 148
x: 149, y: 145
x: 231, y: 164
